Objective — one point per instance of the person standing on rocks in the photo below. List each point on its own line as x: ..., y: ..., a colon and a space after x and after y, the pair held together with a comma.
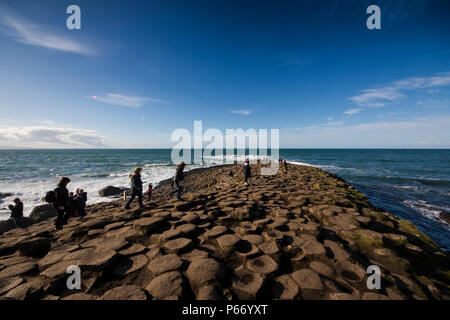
x: 16, y: 211
x: 80, y: 200
x: 62, y: 203
x: 136, y: 188
x: 179, y: 176
x: 247, y: 171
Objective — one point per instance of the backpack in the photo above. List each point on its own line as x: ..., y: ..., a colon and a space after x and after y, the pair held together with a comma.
x: 50, y: 197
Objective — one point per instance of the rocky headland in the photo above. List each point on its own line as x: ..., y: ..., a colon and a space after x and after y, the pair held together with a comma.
x: 301, y: 234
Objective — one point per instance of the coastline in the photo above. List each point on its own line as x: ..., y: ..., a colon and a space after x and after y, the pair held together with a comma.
x: 305, y: 234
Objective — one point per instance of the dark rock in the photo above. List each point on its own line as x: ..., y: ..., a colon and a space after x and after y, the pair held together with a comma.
x: 5, y: 194
x: 43, y: 212
x: 110, y: 191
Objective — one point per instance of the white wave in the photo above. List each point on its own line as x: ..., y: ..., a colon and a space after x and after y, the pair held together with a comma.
x: 431, y: 211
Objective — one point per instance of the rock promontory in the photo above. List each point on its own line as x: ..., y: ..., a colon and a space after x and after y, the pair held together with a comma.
x: 300, y: 234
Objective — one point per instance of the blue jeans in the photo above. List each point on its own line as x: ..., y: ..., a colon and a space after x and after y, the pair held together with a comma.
x: 134, y: 195
x: 179, y: 189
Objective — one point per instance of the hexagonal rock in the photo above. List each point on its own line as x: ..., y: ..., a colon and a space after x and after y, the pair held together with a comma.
x: 246, y: 249
x: 351, y: 272
x: 28, y: 290
x: 216, y: 231
x: 176, y: 245
x: 114, y: 225
x: 95, y: 223
x: 136, y: 248
x: 187, y: 229
x: 98, y: 261
x: 165, y: 263
x: 168, y: 284
x: 171, y: 234
x: 263, y: 264
x: 154, y: 253
x: 9, y: 284
x: 79, y: 296
x: 124, y: 293
x: 307, y: 279
x: 194, y: 254
x: 269, y: 247
x: 322, y: 268
x: 313, y: 247
x: 191, y: 218
x: 122, y: 233
x: 131, y: 265
x: 18, y: 269
x: 208, y: 292
x: 248, y: 284
x: 228, y: 241
x: 254, y: 238
x: 35, y: 247
x: 52, y: 258
x: 58, y: 270
x: 339, y: 253
x: 374, y: 296
x: 110, y: 244
x: 148, y: 225
x: 284, y: 288
x: 343, y: 296
x: 10, y: 261
x: 203, y: 270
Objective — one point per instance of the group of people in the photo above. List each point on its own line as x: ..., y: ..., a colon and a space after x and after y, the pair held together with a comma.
x: 68, y: 204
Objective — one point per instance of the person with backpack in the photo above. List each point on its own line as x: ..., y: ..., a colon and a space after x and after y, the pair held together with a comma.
x: 61, y: 203
x: 178, y: 177
x: 136, y: 188
x: 247, y: 171
x: 17, y: 212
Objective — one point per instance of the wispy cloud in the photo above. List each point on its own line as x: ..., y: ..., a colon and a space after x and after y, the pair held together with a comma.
x: 19, y: 29
x: 47, y: 137
x: 401, y: 133
x: 378, y: 97
x: 124, y: 100
x: 242, y: 112
x: 351, y: 112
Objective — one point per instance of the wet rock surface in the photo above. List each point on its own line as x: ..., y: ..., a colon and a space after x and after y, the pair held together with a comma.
x: 304, y: 234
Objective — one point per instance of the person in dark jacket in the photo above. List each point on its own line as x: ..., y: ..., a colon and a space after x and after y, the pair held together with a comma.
x: 136, y: 188
x: 80, y: 202
x: 62, y: 203
x: 17, y: 211
x: 247, y: 171
x: 179, y: 176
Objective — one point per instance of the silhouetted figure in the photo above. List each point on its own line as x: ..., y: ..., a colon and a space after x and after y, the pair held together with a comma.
x: 62, y: 203
x: 80, y: 202
x: 136, y: 188
x: 17, y: 212
x: 149, y: 192
x: 179, y: 176
x: 247, y: 171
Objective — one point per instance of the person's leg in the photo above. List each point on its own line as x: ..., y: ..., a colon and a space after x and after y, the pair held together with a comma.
x: 68, y: 213
x: 141, y: 205
x: 59, y: 219
x: 127, y: 206
x: 177, y: 188
x: 180, y: 189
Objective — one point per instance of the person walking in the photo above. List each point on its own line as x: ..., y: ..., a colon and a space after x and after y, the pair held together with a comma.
x: 136, y: 188
x: 247, y: 171
x: 179, y: 176
x: 61, y: 203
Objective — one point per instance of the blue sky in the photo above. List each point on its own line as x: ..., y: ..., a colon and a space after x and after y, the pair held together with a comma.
x: 137, y: 70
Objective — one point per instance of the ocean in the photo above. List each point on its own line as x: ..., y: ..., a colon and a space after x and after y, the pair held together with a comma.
x: 411, y: 184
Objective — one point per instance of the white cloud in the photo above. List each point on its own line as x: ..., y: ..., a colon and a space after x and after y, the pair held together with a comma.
x: 351, y: 112
x: 21, y: 30
x: 47, y: 137
x: 378, y: 97
x: 242, y: 112
x: 125, y: 101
